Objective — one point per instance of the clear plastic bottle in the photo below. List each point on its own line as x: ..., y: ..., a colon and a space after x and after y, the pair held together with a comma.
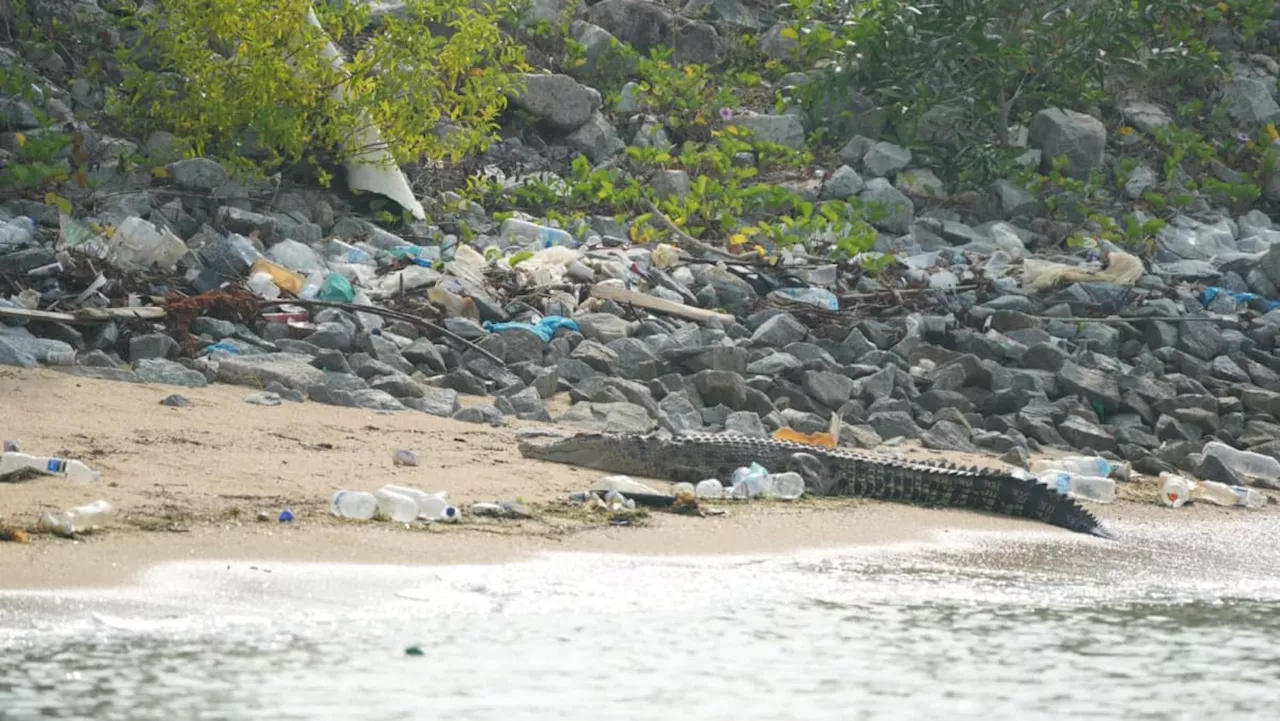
x: 19, y: 231
x: 685, y: 489
x: 516, y: 230
x: 1175, y: 490
x: 353, y: 504
x: 395, y: 506
x: 1247, y: 463
x: 1220, y: 494
x: 1085, y: 465
x: 138, y: 244
x: 72, y: 470
x: 78, y: 519
x: 754, y: 481
x: 263, y: 285
x: 405, y: 457
x: 1091, y: 488
x: 787, y: 486
x: 710, y: 488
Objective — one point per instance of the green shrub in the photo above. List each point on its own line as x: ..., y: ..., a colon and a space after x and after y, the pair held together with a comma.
x: 220, y: 72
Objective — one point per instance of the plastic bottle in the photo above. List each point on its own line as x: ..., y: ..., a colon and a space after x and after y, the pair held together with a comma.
x: 19, y: 231
x: 754, y: 481
x: 1175, y: 490
x: 138, y: 245
x: 787, y: 486
x: 261, y: 283
x: 72, y: 470
x: 516, y: 230
x: 1220, y: 494
x: 710, y: 488
x: 311, y: 288
x: 685, y: 489
x: 1084, y: 465
x: 1092, y: 488
x: 395, y: 506
x: 1246, y: 463
x: 353, y: 504
x: 78, y: 519
x: 816, y: 297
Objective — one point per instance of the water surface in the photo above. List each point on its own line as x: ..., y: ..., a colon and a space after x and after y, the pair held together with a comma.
x: 1169, y: 623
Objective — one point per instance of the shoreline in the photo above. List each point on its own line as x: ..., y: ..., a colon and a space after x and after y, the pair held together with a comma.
x: 188, y: 484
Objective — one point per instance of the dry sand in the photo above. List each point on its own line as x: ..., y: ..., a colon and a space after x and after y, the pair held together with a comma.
x: 189, y: 483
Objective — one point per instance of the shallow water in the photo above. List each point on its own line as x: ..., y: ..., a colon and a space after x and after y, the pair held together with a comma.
x: 1169, y: 623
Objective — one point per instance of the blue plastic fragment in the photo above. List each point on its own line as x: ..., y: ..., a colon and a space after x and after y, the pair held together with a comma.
x: 544, y: 329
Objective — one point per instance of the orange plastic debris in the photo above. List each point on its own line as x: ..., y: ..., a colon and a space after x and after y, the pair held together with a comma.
x: 812, y: 439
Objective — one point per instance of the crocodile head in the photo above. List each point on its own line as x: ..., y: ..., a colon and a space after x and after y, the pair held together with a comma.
x: 630, y: 454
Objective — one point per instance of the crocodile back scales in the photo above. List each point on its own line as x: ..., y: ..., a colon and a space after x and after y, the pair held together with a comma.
x: 695, y: 456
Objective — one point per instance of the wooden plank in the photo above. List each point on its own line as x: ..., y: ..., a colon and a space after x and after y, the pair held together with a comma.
x: 659, y: 305
x: 85, y: 315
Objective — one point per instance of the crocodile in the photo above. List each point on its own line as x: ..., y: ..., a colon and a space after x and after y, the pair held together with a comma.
x: 826, y: 471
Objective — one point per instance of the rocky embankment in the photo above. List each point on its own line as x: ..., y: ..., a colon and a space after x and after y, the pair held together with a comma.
x: 977, y: 320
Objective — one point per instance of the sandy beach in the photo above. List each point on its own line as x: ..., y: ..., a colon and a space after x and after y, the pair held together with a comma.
x: 191, y: 483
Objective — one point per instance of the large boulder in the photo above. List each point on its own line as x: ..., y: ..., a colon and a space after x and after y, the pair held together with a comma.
x: 1081, y: 138
x: 558, y: 100
x: 647, y: 25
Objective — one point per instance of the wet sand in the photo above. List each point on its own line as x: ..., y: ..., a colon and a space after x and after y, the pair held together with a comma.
x: 190, y: 483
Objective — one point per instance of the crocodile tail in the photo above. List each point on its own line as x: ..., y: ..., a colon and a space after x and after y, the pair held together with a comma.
x: 984, y: 489
x: 1028, y: 498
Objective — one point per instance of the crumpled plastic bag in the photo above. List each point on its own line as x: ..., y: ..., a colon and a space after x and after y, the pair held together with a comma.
x: 1123, y: 269
x: 544, y: 329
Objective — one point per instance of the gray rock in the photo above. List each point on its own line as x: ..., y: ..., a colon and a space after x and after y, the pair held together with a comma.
x: 398, y: 385
x: 246, y: 223
x: 175, y: 401
x: 671, y: 183
x: 198, y: 174
x: 734, y: 294
x: 11, y: 354
x: 633, y: 359
x: 898, y: 207
x: 597, y: 139
x: 677, y: 414
x: 1094, y: 385
x: 1081, y: 138
x: 525, y: 405
x: 166, y: 372
x: 894, y: 424
x: 1250, y: 102
x: 375, y: 400
x: 17, y: 115
x: 778, y: 46
x: 843, y: 184
x: 732, y: 13
x: 774, y: 364
x: 291, y: 371
x: 1140, y: 181
x: 559, y: 100
x: 1202, y: 340
x: 779, y: 331
x: 1145, y: 116
x: 855, y: 150
x: 599, y: 357
x: 948, y: 436
x: 1083, y: 434
x: 745, y: 423
x: 603, y: 327
x: 619, y: 417
x: 331, y: 360
x: 920, y: 183
x: 830, y: 389
x: 721, y: 388
x: 646, y: 25
x: 333, y: 336
x: 884, y: 160
x: 153, y: 345
x: 107, y: 374
x: 289, y: 394
x: 780, y: 129
x: 1014, y: 200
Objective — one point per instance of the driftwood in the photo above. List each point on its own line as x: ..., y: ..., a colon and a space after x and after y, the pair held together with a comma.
x: 658, y: 305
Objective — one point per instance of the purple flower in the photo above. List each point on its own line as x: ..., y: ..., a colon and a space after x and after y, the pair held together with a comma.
x: 725, y: 113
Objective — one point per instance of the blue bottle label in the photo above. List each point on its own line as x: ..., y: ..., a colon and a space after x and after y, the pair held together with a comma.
x: 55, y: 465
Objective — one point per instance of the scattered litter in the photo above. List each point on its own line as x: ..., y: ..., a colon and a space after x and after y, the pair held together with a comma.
x: 286, y: 516
x: 78, y: 520
x: 263, y: 398
x: 1175, y: 490
x: 12, y: 447
x: 544, y: 329
x: 711, y: 488
x: 1122, y: 269
x: 75, y: 471
x: 1079, y: 486
x: 414, y: 651
x: 13, y: 535
x: 404, y: 457
x: 177, y: 400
